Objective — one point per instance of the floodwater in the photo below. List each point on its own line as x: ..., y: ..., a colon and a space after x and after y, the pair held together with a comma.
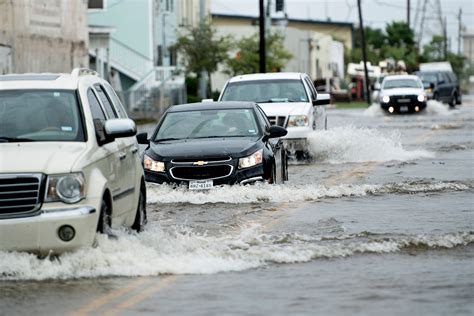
x: 380, y: 222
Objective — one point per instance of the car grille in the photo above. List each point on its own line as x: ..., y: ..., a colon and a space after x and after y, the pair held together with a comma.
x: 277, y: 120
x: 201, y: 172
x: 404, y: 98
x: 207, y: 159
x: 20, y: 194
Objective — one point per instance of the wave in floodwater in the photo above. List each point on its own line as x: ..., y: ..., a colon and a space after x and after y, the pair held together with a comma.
x: 262, y: 192
x: 352, y: 144
x: 433, y: 107
x: 156, y: 252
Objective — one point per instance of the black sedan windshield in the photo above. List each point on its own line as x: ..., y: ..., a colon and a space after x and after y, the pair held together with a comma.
x: 38, y: 115
x: 266, y: 91
x: 208, y: 124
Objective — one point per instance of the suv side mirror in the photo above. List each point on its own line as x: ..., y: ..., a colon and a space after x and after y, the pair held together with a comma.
x: 142, y: 138
x: 322, y: 99
x: 116, y: 128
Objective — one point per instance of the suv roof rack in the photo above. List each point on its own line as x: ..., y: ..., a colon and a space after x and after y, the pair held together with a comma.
x: 77, y: 72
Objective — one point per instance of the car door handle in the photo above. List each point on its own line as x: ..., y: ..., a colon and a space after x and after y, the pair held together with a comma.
x: 134, y: 150
x: 122, y: 155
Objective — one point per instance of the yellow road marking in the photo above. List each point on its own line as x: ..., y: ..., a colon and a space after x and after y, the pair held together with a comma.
x: 106, y: 299
x: 134, y: 300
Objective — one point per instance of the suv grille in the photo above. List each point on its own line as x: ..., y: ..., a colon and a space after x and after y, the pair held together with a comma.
x: 277, y: 120
x: 201, y: 173
x: 20, y: 194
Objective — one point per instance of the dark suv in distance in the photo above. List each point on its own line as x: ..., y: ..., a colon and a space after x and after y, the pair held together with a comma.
x: 442, y: 86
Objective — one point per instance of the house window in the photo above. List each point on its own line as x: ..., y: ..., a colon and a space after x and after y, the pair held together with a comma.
x: 97, y: 4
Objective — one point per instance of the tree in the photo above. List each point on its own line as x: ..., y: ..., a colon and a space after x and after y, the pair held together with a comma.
x: 246, y: 59
x: 202, y: 49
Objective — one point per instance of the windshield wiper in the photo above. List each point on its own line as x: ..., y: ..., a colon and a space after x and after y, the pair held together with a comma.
x: 165, y: 139
x: 4, y: 139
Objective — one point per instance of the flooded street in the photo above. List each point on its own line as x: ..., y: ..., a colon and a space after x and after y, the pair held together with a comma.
x: 380, y: 222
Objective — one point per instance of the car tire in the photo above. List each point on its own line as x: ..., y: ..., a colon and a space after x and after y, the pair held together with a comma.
x: 104, y: 225
x: 272, y: 178
x: 284, y: 166
x: 140, y: 216
x: 457, y: 99
x: 452, y: 102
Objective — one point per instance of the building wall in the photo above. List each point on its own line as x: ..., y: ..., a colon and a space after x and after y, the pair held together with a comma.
x: 189, y: 12
x: 312, y: 51
x: 338, y: 32
x: 132, y: 21
x: 468, y: 47
x: 40, y: 36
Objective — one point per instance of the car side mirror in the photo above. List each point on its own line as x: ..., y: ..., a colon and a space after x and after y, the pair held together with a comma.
x: 322, y: 99
x: 441, y: 82
x: 276, y: 131
x: 116, y: 128
x: 142, y: 138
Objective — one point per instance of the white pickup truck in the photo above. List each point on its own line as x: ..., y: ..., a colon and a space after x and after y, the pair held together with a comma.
x: 289, y: 100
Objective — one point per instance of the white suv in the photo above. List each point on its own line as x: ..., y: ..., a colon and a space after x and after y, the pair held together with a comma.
x: 69, y: 162
x: 288, y: 99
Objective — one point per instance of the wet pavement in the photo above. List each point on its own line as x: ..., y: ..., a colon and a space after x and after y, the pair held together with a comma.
x: 381, y: 222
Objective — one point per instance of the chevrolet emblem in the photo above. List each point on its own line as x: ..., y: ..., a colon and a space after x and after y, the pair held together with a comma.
x: 200, y: 163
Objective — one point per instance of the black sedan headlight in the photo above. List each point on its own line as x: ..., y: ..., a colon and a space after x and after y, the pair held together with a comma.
x: 153, y: 165
x: 68, y: 188
x: 254, y: 159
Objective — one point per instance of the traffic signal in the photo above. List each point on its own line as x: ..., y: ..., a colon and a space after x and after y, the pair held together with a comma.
x: 280, y: 5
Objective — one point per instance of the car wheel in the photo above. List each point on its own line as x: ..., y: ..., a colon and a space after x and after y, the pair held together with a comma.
x: 452, y: 102
x: 140, y: 216
x: 105, y: 220
x: 272, y: 178
x: 458, y: 99
x: 284, y: 166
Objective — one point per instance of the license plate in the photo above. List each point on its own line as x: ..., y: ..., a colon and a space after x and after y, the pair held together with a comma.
x: 403, y: 100
x: 404, y: 108
x: 201, y: 185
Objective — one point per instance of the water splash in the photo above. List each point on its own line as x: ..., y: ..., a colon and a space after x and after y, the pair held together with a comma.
x: 352, y: 144
x: 156, y: 252
x: 267, y: 193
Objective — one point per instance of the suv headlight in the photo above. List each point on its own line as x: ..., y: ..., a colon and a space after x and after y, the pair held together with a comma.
x: 254, y: 159
x: 385, y: 99
x: 153, y: 165
x: 421, y: 98
x: 68, y: 188
x: 298, y: 120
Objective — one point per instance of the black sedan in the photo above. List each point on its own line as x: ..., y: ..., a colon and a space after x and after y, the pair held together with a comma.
x: 206, y: 144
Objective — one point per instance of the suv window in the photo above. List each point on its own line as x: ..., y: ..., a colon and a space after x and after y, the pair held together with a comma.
x: 96, y: 110
x: 440, y: 77
x: 116, y: 101
x: 266, y: 91
x: 105, y: 101
x: 312, y: 90
x: 51, y: 115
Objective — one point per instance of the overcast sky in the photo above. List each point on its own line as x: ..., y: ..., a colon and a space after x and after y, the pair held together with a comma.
x: 376, y: 13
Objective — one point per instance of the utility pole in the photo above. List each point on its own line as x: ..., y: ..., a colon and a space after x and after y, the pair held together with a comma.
x: 203, y: 77
x: 364, y: 54
x: 459, y: 31
x: 408, y: 13
x: 262, y: 53
x: 445, y: 35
